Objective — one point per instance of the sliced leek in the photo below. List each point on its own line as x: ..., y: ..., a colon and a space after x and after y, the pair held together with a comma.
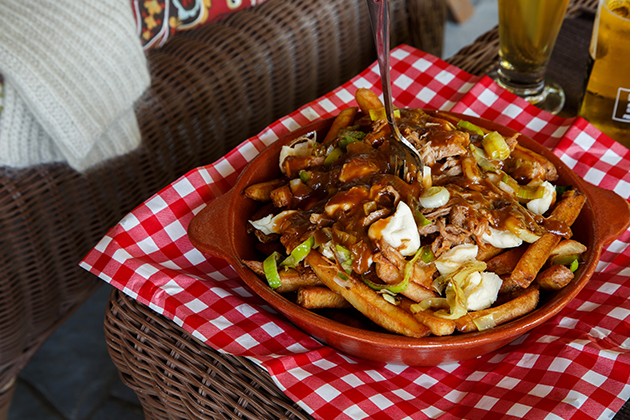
x: 430, y: 303
x: 434, y: 197
x: 485, y: 322
x: 270, y: 267
x: 466, y: 125
x: 456, y: 301
x: 299, y: 253
x: 379, y: 114
x: 482, y: 159
x: 495, y: 146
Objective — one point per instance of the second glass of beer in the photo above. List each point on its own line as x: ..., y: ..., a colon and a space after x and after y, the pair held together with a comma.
x: 606, y: 102
x: 527, y: 34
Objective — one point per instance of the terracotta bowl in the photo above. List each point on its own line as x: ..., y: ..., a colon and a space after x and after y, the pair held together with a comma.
x: 219, y: 230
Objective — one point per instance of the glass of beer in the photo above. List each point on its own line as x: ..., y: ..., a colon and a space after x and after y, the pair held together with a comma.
x: 606, y: 101
x: 527, y: 34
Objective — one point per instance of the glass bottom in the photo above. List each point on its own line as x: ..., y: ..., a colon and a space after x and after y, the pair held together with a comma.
x: 550, y: 98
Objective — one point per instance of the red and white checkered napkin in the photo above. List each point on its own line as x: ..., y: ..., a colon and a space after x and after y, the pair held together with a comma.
x: 577, y: 365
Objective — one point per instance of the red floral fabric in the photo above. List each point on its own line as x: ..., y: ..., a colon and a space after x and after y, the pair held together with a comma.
x: 158, y: 20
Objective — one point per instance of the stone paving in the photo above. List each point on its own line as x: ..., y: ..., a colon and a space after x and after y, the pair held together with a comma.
x: 71, y: 377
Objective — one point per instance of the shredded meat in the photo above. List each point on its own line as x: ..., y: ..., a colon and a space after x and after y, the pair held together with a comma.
x: 454, y: 234
x: 439, y: 212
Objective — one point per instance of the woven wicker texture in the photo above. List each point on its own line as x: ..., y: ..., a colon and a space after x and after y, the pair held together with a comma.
x: 428, y: 17
x: 212, y: 88
x: 177, y: 377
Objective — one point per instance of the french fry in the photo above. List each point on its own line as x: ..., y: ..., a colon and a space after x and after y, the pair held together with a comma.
x: 568, y: 209
x: 533, y: 260
x: 281, y: 196
x: 342, y: 120
x: 508, y: 286
x: 568, y: 247
x: 515, y: 308
x: 487, y: 252
x: 317, y: 297
x: 554, y: 278
x: 290, y: 280
x: 364, y: 299
x: 262, y: 190
x: 539, y: 264
x: 366, y: 99
x: 438, y: 326
x: 505, y: 262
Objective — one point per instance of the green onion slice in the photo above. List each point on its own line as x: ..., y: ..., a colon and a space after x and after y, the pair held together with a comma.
x: 570, y: 260
x: 561, y: 189
x: 334, y: 155
x: 379, y: 114
x: 420, y: 219
x: 299, y: 253
x: 304, y: 175
x: 467, y: 125
x: 427, y: 255
x: 270, y: 266
x: 350, y: 136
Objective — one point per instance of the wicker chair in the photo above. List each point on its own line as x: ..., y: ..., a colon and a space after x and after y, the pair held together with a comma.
x: 177, y: 377
x: 212, y: 88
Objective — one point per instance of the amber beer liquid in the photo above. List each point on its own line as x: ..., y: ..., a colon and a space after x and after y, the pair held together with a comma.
x: 529, y: 29
x: 606, y: 102
x: 527, y: 34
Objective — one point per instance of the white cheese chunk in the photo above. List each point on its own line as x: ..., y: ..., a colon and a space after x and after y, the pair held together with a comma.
x: 300, y: 148
x: 481, y: 290
x: 454, y: 258
x: 398, y: 230
x: 271, y: 224
x: 501, y: 238
x: 541, y: 205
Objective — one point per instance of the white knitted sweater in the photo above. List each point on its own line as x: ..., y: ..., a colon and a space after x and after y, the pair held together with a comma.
x: 72, y: 70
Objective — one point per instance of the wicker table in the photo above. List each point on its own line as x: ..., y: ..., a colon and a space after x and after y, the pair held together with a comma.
x: 177, y: 377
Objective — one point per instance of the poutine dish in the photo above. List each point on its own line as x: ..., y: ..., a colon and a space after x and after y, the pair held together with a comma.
x: 477, y: 240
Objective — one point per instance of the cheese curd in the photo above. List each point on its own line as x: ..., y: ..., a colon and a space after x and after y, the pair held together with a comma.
x: 271, y: 224
x: 481, y: 290
x: 541, y: 205
x: 398, y: 230
x: 501, y: 238
x: 454, y: 258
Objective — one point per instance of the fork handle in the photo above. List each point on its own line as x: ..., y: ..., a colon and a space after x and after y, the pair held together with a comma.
x: 379, y: 18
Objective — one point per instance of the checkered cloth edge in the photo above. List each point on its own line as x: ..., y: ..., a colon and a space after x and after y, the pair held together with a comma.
x: 577, y: 365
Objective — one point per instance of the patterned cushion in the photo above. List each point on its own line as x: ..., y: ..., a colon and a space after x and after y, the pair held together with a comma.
x: 158, y: 20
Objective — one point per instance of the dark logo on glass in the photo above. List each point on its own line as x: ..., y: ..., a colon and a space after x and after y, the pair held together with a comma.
x: 622, y: 106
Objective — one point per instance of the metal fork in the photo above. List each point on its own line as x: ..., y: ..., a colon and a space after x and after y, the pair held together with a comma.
x: 405, y: 160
